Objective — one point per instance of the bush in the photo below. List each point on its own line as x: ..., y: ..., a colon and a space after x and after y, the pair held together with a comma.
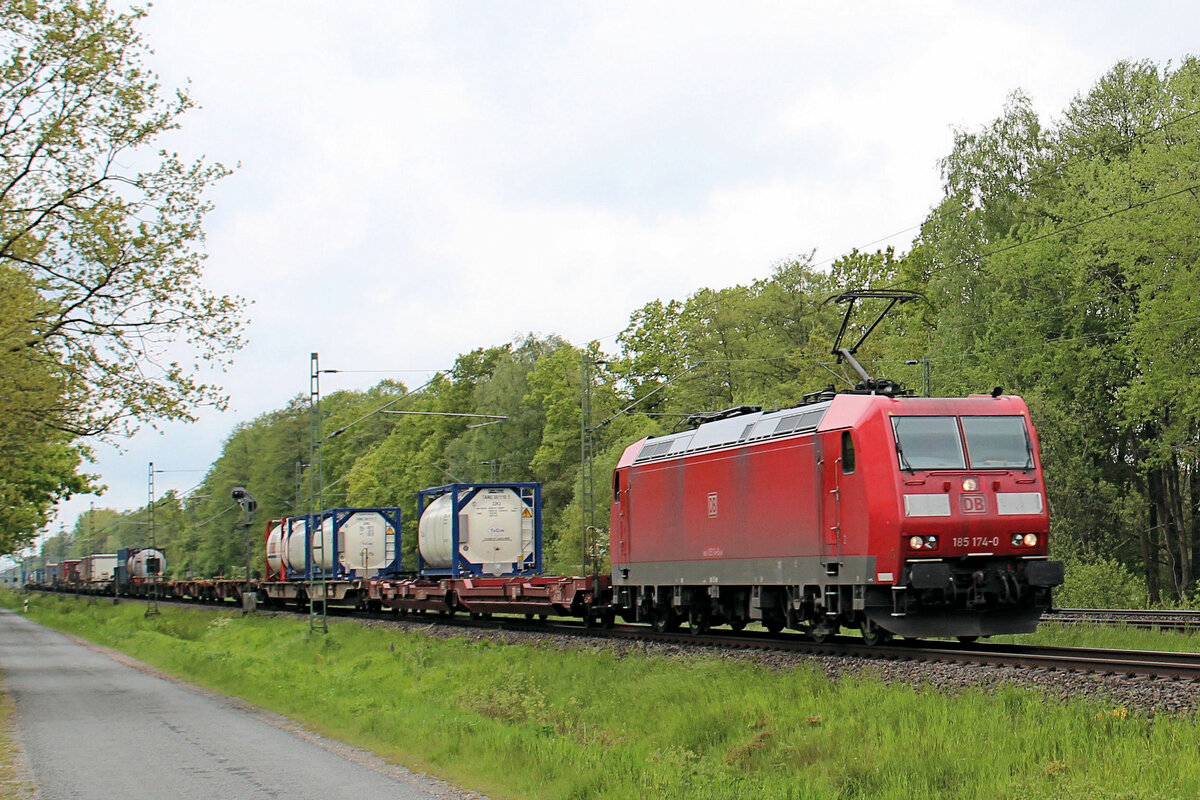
x: 1103, y: 583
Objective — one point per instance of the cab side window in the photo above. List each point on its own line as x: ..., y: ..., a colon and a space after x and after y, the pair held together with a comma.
x: 847, y: 453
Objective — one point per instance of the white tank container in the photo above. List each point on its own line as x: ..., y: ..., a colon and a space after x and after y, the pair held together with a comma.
x: 275, y: 548
x: 322, y: 549
x: 142, y: 563
x: 495, y: 531
x: 297, y: 542
x: 363, y: 542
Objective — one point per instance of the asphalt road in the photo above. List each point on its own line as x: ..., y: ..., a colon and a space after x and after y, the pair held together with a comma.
x: 95, y: 724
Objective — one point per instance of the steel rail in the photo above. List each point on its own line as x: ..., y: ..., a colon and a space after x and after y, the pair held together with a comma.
x: 1166, y: 619
x: 1126, y: 663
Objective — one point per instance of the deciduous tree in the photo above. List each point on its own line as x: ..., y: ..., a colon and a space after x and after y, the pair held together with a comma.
x: 107, y: 227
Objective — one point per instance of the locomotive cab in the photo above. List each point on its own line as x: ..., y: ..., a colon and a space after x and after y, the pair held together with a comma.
x: 973, y: 550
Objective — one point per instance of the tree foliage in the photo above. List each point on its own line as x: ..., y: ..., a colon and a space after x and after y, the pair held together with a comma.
x: 105, y: 323
x: 38, y: 461
x: 108, y: 229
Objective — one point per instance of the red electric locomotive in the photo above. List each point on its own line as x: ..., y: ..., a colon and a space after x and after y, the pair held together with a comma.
x: 871, y: 509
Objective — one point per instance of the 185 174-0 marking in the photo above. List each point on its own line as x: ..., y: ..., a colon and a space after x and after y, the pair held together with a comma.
x: 976, y: 541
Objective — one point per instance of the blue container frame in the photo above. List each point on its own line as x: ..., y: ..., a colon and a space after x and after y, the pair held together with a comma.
x: 391, y: 515
x: 530, y: 494
x: 291, y: 573
x: 121, y: 570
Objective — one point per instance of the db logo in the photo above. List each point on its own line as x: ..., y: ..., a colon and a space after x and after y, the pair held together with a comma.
x: 712, y: 504
x: 973, y: 503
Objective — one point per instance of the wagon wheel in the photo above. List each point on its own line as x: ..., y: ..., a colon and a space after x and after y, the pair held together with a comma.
x: 737, y: 625
x: 872, y: 634
x: 698, y: 622
x: 817, y: 633
x: 599, y: 617
x: 967, y: 639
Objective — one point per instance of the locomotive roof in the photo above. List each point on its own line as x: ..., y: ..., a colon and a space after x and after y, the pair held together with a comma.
x: 843, y: 411
x: 754, y: 426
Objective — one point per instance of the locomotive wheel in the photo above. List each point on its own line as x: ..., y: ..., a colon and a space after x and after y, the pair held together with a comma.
x: 697, y: 621
x: 664, y: 620
x: 872, y: 634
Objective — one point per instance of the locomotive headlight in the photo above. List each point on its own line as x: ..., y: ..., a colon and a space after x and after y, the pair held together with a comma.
x: 1031, y: 540
x: 916, y: 542
x: 970, y: 484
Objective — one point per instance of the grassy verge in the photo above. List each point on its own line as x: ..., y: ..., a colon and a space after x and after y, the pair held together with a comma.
x: 14, y: 782
x: 1113, y: 637
x: 525, y: 721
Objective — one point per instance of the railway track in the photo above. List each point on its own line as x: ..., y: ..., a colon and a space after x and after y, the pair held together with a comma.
x: 1127, y: 663
x: 1182, y: 620
x: 1124, y: 663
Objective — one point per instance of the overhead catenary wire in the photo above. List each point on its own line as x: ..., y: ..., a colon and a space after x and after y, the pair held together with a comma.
x: 386, y: 405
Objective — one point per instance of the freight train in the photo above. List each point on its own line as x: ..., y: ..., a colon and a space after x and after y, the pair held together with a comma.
x: 869, y: 508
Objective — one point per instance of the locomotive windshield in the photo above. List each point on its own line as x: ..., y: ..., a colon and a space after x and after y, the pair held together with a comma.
x: 928, y: 443
x: 937, y: 443
x: 998, y: 443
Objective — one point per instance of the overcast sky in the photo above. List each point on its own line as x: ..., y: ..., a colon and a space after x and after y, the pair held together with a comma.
x: 416, y: 180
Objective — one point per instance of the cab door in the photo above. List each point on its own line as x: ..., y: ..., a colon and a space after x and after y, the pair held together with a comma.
x: 619, y: 523
x: 837, y: 466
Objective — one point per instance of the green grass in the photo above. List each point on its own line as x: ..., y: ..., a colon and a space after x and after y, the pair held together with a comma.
x: 1113, y: 637
x: 540, y: 721
x: 14, y: 783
